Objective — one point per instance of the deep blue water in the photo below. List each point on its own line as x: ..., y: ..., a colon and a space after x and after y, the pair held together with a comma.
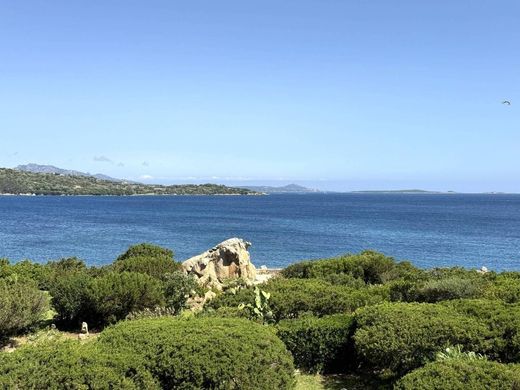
x: 429, y: 230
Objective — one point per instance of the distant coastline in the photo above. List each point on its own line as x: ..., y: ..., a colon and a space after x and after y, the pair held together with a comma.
x: 406, y: 191
x: 288, y: 189
x: 17, y: 182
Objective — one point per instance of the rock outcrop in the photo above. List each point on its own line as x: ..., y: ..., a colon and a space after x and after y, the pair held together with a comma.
x: 228, y: 260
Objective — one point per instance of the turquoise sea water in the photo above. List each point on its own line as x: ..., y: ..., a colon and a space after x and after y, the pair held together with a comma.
x: 429, y: 230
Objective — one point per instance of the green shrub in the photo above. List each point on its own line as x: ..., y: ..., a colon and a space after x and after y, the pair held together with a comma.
x: 224, y: 312
x: 318, y: 344
x: 458, y: 272
x: 156, y: 312
x: 79, y: 297
x: 22, y: 306
x: 462, y: 375
x: 115, y: 295
x: 402, y: 291
x: 369, y: 266
x: 344, y: 280
x: 399, y: 337
x: 28, y: 270
x: 177, y: 288
x: 449, y: 288
x: 205, y: 353
x: 68, y: 264
x: 52, y: 272
x: 502, y: 322
x: 506, y: 287
x: 233, y: 298
x: 291, y: 298
x: 69, y: 365
x: 440, y: 284
x: 71, y: 298
x: 146, y: 250
x: 5, y: 268
x: 156, y: 267
x: 45, y: 275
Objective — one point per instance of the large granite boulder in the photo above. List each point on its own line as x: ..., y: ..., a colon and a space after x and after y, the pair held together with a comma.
x: 228, y: 260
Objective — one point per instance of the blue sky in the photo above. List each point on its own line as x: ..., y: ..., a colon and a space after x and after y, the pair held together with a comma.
x: 341, y: 95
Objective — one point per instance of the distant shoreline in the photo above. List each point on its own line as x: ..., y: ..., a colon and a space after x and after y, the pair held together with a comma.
x: 264, y: 194
x: 124, y: 195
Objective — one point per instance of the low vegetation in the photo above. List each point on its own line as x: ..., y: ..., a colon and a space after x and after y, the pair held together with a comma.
x: 318, y: 344
x: 70, y: 365
x: 462, y: 374
x: 356, y: 321
x: 22, y: 305
x: 215, y: 353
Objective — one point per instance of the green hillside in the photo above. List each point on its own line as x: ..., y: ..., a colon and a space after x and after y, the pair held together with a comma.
x: 17, y: 182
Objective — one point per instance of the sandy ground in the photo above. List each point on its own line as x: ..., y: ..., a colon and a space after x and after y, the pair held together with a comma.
x: 264, y: 274
x: 18, y: 341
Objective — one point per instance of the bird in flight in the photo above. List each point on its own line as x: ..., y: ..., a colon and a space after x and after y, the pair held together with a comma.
x: 506, y: 102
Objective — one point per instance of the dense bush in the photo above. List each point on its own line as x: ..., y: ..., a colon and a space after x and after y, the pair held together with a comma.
x: 291, y: 298
x: 68, y: 264
x: 22, y: 305
x: 225, y: 312
x: 344, y: 280
x: 205, y: 353
x: 69, y: 365
x: 505, y: 287
x: 79, y: 297
x: 402, y: 291
x: 156, y: 267
x: 115, y: 295
x: 233, y: 298
x: 368, y: 266
x: 502, y: 322
x: 399, y: 337
x: 449, y: 288
x: 177, y: 288
x: 28, y: 270
x: 461, y: 375
x: 146, y: 250
x: 51, y: 273
x: 71, y: 298
x: 144, y: 277
x: 439, y: 285
x: 45, y: 275
x: 318, y: 344
x: 5, y: 269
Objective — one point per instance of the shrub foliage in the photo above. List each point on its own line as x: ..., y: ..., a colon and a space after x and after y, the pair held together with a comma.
x: 22, y: 305
x: 318, y: 344
x: 146, y: 250
x: 457, y: 374
x: 399, y: 337
x: 290, y: 298
x: 69, y: 365
x: 205, y: 353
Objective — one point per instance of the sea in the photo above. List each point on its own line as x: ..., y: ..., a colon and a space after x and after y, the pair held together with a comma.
x: 430, y: 230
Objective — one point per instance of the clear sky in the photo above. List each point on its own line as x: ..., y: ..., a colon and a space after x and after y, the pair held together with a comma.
x: 336, y: 94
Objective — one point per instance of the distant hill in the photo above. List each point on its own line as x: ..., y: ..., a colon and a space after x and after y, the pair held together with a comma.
x: 290, y: 188
x: 19, y: 182
x: 36, y: 168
